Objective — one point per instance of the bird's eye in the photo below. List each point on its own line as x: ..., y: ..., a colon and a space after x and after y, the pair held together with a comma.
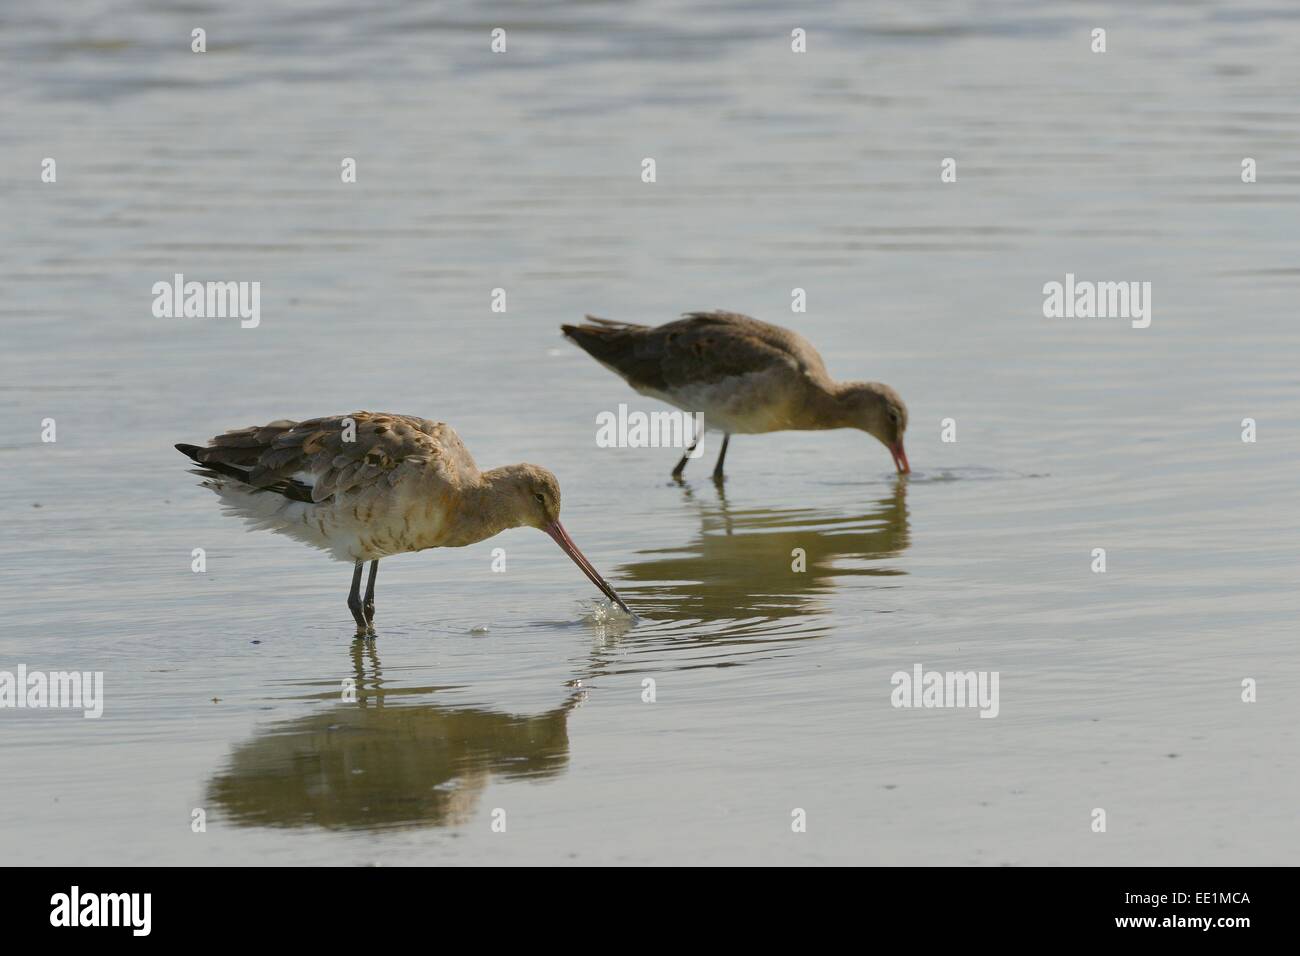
x: 541, y: 498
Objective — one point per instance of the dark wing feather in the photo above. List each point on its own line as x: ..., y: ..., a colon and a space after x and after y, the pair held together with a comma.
x: 269, y: 456
x: 700, y: 348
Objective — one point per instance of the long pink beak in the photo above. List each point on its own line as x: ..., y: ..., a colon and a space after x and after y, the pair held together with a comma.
x: 561, y: 537
x: 900, y: 457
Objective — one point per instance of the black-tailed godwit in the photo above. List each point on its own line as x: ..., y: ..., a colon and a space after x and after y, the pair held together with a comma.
x: 368, y: 485
x: 745, y: 376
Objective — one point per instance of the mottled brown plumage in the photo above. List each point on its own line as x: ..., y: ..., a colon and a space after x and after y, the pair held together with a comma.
x: 376, y: 450
x: 745, y: 376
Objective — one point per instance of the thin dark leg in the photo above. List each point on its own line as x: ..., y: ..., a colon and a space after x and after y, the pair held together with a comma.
x: 717, y: 469
x: 369, y: 606
x: 354, y: 599
x: 681, y: 465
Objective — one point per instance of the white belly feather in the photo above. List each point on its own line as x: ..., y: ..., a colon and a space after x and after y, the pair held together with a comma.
x: 743, y: 405
x: 359, y: 525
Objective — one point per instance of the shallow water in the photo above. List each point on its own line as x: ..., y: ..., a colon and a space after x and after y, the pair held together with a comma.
x: 514, y: 692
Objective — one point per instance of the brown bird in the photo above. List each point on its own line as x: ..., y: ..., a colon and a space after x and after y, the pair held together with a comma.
x: 368, y: 485
x: 745, y: 376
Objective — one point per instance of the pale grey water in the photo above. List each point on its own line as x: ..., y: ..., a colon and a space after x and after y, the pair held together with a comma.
x: 775, y: 171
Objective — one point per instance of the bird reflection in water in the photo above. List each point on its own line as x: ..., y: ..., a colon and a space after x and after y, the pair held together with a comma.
x: 742, y: 565
x: 378, y: 762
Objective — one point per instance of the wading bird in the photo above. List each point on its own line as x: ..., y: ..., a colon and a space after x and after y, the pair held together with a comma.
x: 368, y: 485
x: 745, y: 376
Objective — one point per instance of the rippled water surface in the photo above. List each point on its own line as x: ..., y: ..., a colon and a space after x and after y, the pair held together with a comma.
x: 511, y: 692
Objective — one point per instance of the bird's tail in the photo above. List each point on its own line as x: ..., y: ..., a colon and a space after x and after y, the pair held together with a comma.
x: 614, y: 323
x: 603, y: 339
x: 214, y: 471
x: 211, y: 469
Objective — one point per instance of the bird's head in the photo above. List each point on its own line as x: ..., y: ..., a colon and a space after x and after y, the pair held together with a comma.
x: 878, y: 410
x: 534, y: 497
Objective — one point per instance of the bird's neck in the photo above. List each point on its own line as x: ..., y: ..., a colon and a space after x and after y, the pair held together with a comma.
x: 484, y: 509
x: 824, y: 406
